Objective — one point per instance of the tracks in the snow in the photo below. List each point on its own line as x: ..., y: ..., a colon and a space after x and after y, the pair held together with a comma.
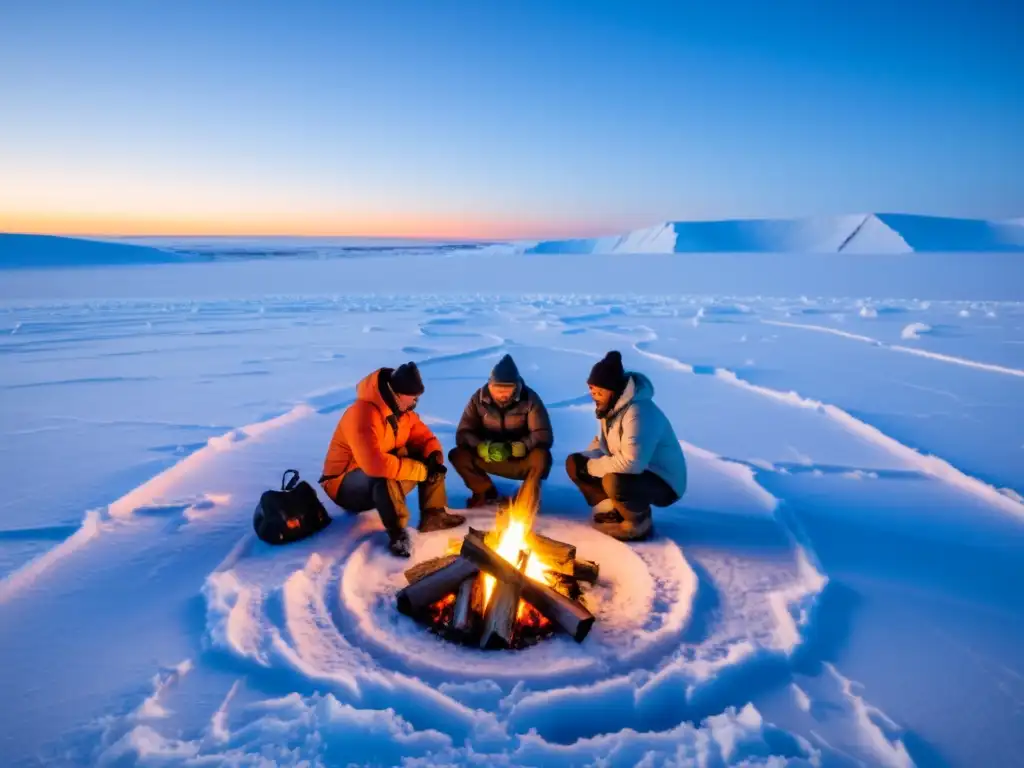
x: 930, y: 465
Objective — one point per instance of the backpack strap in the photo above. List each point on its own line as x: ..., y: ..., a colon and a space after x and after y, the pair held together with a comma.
x: 286, y: 484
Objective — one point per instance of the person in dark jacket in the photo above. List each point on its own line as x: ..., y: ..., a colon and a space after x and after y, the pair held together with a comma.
x: 504, y: 431
x: 381, y: 450
x: 635, y: 460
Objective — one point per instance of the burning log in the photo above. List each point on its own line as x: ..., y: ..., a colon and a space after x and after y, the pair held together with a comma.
x: 490, y: 537
x: 568, y: 615
x: 585, y: 570
x: 557, y: 555
x: 468, y: 605
x: 564, y: 584
x: 427, y: 567
x: 504, y: 588
x: 437, y: 585
x: 500, y: 617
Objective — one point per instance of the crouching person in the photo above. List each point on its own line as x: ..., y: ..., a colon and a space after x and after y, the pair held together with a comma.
x: 635, y: 461
x: 381, y: 450
x: 504, y: 431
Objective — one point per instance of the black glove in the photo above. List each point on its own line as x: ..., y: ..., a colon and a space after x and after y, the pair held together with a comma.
x: 435, y: 466
x: 581, y: 465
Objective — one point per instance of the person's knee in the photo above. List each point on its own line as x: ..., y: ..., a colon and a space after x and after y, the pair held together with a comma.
x: 460, y: 456
x: 571, y: 463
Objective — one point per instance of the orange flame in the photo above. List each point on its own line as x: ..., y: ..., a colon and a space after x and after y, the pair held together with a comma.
x: 513, y: 541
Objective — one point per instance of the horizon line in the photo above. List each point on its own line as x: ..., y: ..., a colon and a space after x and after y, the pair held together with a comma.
x: 463, y: 238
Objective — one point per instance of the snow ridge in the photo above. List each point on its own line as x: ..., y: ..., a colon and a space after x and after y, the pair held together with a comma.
x: 933, y: 466
x: 35, y: 251
x: 991, y: 367
x: 873, y: 233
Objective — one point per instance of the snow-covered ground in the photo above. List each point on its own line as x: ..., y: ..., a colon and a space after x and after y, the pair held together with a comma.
x: 839, y: 586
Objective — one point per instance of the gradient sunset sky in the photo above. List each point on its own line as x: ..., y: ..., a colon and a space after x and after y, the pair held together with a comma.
x: 513, y: 119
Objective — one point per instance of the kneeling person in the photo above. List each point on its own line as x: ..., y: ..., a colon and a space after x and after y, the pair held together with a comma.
x: 635, y: 461
x: 504, y: 431
x: 381, y: 450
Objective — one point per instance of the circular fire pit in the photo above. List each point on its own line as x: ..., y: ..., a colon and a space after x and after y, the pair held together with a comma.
x: 504, y: 589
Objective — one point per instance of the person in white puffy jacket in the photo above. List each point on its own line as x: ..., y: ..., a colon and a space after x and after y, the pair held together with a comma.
x: 635, y: 461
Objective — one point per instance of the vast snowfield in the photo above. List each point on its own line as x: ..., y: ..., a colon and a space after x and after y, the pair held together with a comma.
x: 840, y: 585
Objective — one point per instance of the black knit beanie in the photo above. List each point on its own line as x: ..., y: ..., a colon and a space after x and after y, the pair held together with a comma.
x: 505, y: 372
x: 608, y: 373
x: 405, y: 380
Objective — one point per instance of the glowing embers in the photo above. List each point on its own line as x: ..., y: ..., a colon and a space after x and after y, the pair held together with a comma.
x: 507, y: 588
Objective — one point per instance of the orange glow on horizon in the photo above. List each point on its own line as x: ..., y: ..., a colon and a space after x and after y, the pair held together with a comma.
x: 397, y: 226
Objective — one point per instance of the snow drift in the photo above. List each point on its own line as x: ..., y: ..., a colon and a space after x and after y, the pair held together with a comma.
x: 31, y: 251
x: 881, y: 233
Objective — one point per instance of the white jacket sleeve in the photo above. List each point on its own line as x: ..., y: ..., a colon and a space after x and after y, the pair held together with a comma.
x: 640, y: 435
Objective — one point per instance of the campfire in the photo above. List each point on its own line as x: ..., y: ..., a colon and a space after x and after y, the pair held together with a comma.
x: 505, y: 588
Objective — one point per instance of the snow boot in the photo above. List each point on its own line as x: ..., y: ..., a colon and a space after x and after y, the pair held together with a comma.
x: 639, y: 528
x: 600, y: 518
x: 439, y: 519
x: 399, y: 545
x: 605, y: 512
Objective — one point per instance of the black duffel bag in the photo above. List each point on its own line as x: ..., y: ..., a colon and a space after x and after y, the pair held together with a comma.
x: 290, y: 514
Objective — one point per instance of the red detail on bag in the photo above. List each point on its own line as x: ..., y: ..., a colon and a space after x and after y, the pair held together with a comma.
x: 293, y: 522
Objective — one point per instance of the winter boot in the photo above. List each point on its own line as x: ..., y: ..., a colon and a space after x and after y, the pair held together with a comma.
x: 399, y: 545
x: 439, y: 519
x: 639, y: 527
x: 605, y: 512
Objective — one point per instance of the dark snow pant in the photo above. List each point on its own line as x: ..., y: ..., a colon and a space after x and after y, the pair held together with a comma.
x: 475, y: 472
x: 631, y: 495
x: 359, y: 492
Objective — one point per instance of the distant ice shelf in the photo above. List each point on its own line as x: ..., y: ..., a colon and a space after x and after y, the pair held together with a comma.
x: 874, y: 233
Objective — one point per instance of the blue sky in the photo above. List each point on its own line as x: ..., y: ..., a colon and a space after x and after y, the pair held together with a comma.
x: 502, y: 119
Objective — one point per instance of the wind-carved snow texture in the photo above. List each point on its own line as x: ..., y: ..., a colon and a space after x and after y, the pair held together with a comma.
x: 719, y: 642
x: 914, y: 331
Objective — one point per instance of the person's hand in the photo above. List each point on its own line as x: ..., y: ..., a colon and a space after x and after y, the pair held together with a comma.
x: 435, y: 466
x: 500, y: 451
x: 483, y: 450
x: 518, y: 450
x: 417, y: 470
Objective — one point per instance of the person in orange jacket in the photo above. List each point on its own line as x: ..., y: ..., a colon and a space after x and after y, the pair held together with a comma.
x: 381, y: 450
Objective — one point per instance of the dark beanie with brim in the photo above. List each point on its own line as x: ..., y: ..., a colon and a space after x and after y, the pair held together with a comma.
x: 505, y: 372
x: 405, y: 380
x: 608, y: 373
